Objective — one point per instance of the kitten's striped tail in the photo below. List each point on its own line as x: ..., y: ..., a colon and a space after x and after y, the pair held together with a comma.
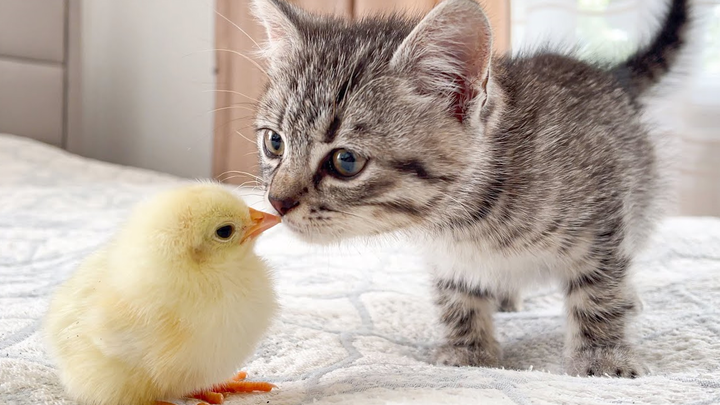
x: 649, y: 64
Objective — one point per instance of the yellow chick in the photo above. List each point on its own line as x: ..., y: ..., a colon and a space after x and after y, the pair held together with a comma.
x: 170, y: 307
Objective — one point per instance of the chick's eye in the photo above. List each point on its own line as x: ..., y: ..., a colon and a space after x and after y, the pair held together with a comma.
x: 346, y: 163
x: 225, y: 232
x: 273, y: 144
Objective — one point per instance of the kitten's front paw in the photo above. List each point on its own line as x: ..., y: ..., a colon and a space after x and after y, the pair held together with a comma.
x: 468, y: 355
x: 612, y: 362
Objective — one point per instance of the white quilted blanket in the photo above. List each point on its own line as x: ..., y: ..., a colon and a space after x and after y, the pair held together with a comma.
x: 358, y: 321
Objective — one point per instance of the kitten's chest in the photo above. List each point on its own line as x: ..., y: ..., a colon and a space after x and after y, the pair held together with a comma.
x: 469, y: 262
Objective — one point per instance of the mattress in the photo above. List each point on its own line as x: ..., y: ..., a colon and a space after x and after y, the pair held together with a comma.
x: 357, y: 324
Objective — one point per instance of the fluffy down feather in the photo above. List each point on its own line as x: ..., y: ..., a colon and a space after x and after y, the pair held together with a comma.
x: 170, y: 307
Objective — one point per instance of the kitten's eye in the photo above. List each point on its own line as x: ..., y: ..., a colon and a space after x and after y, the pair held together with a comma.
x: 346, y: 163
x: 225, y: 232
x: 274, y: 144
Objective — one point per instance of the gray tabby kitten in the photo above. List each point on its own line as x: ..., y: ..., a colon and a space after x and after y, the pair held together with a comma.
x: 508, y: 172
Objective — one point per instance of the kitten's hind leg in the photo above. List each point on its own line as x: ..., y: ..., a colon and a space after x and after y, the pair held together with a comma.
x: 509, y: 302
x: 600, y: 303
x: 466, y: 315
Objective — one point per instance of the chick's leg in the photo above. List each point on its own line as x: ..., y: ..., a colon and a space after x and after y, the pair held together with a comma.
x: 236, y: 385
x: 243, y: 386
x: 170, y: 403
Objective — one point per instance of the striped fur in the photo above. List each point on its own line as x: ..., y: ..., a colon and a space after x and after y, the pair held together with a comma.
x: 507, y: 172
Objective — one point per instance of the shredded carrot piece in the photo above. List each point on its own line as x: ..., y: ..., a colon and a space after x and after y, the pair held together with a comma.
x: 240, y: 376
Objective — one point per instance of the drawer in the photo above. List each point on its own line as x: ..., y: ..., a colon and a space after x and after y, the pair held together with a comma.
x: 33, y: 29
x: 31, y: 100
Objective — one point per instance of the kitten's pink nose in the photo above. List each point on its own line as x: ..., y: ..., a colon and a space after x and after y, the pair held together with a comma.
x: 283, y: 205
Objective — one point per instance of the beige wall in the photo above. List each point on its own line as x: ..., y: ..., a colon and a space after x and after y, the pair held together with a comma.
x: 147, y: 82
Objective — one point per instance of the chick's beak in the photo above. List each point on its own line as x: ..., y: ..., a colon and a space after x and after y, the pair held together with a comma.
x: 261, y: 222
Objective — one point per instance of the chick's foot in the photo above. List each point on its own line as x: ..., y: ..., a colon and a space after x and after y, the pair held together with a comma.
x: 210, y: 397
x: 237, y: 384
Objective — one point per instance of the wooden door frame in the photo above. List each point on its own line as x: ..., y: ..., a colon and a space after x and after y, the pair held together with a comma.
x: 239, y: 81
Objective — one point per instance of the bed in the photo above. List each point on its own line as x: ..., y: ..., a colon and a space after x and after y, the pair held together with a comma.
x: 357, y: 321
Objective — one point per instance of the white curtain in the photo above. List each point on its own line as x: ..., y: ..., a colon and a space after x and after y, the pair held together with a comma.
x: 612, y: 29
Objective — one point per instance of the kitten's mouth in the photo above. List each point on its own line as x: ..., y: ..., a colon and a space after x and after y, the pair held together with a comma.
x: 312, y: 233
x: 297, y: 227
x: 301, y: 227
x: 292, y: 225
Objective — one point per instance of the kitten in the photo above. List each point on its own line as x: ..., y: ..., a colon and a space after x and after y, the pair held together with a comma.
x: 507, y: 172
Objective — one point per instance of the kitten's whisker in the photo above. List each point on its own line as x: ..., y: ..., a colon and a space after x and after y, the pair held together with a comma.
x: 250, y: 191
x: 237, y: 26
x: 232, y: 92
x: 249, y: 59
x: 351, y: 214
x: 255, y: 182
x: 231, y: 174
x: 232, y: 107
x: 248, y: 126
x: 258, y: 178
x: 249, y: 188
x: 256, y: 191
x: 233, y: 120
x: 228, y: 178
x: 254, y: 204
x: 244, y: 137
x: 248, y: 103
x: 237, y: 176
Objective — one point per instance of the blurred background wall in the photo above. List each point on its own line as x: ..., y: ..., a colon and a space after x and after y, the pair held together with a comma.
x: 147, y: 81
x: 611, y: 30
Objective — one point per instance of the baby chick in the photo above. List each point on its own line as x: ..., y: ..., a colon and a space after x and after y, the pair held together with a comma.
x: 170, y: 308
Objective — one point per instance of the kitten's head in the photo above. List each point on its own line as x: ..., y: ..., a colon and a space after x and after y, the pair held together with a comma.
x: 365, y: 127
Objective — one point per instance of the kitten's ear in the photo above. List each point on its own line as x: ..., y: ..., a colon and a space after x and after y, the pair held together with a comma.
x: 281, y: 21
x: 448, y: 54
